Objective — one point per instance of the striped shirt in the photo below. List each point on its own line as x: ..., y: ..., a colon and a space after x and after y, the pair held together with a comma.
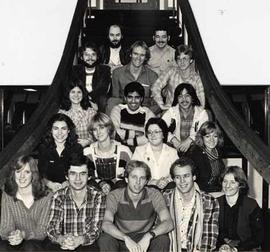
x: 67, y: 218
x: 129, y: 219
x: 15, y: 215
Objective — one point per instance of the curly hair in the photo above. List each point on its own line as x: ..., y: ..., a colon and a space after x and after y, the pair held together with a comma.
x: 38, y: 187
x: 102, y: 119
x: 72, y: 138
x: 90, y: 45
x: 161, y: 124
x: 72, y: 83
x: 207, y: 128
x: 239, y: 176
x: 190, y: 90
x: 142, y: 44
x: 185, y: 49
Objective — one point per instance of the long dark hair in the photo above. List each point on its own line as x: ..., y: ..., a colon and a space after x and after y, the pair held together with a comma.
x: 190, y: 90
x: 72, y: 83
x: 72, y: 138
x: 38, y: 187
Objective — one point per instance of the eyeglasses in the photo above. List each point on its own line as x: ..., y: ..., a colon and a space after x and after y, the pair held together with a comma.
x: 155, y: 132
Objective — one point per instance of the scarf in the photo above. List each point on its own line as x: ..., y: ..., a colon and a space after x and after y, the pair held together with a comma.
x: 195, y: 226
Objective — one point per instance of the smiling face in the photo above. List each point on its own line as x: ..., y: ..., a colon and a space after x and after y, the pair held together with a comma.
x: 133, y: 100
x: 59, y: 132
x: 77, y: 177
x: 230, y: 186
x: 89, y: 57
x: 137, y: 180
x: 155, y: 135
x: 184, y: 179
x: 185, y: 100
x: 75, y: 95
x: 23, y: 177
x: 183, y: 61
x: 138, y: 56
x: 210, y: 140
x: 161, y: 39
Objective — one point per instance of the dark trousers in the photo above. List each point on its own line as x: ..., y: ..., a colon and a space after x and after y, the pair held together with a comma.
x: 108, y: 243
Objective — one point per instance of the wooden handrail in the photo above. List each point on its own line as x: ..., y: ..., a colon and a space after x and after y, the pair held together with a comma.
x: 29, y: 136
x: 248, y: 143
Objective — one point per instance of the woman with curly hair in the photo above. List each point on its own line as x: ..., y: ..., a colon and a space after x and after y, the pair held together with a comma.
x: 75, y: 104
x: 59, y: 142
x: 206, y: 154
x: 25, y: 203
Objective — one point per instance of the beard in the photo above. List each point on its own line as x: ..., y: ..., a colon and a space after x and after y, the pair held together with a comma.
x: 113, y: 43
x: 88, y: 65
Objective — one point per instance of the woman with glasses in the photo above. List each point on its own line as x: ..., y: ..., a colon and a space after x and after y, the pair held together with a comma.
x: 107, y: 157
x: 75, y: 105
x: 163, y: 88
x: 240, y: 217
x: 25, y: 205
x: 206, y: 154
x: 156, y: 153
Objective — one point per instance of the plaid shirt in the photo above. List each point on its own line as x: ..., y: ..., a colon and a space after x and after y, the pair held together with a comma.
x: 81, y: 118
x: 67, y: 218
x: 210, y: 221
x: 170, y: 79
x: 185, y: 124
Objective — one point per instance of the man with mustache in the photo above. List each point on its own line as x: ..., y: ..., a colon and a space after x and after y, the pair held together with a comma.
x: 114, y: 52
x: 95, y: 76
x: 136, y: 217
x: 162, y: 55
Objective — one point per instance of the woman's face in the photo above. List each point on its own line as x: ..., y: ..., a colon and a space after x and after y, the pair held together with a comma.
x: 229, y: 185
x: 101, y: 132
x: 60, y: 132
x: 155, y: 135
x: 210, y: 140
x: 183, y: 61
x: 75, y: 95
x: 23, y: 177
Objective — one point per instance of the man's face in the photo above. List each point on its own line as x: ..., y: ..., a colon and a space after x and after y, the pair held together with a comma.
x: 184, y: 100
x: 138, y: 56
x: 183, y: 61
x: 161, y: 39
x: 137, y: 180
x: 89, y: 57
x: 184, y: 179
x: 133, y: 100
x: 60, y: 132
x: 115, y: 36
x: 77, y: 177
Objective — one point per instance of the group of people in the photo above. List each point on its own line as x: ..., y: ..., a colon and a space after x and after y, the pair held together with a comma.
x: 131, y: 162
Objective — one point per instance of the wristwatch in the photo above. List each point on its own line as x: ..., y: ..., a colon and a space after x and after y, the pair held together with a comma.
x: 152, y: 233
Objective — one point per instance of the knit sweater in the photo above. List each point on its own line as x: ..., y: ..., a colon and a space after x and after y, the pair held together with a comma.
x: 15, y: 215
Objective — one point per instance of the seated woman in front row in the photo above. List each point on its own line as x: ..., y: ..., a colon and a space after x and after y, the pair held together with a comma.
x: 59, y: 142
x: 25, y: 204
x: 156, y: 153
x: 240, y: 217
x: 108, y: 156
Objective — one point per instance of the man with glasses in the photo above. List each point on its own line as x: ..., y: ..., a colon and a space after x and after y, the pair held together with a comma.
x: 129, y: 119
x: 175, y: 75
x: 194, y: 213
x: 76, y: 211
